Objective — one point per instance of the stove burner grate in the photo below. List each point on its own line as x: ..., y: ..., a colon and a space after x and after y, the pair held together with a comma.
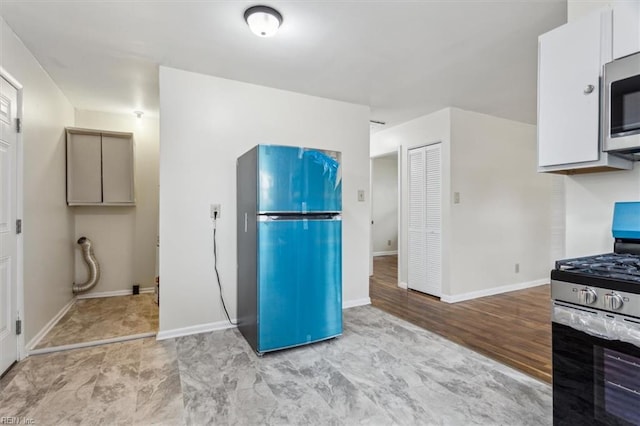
x: 617, y: 266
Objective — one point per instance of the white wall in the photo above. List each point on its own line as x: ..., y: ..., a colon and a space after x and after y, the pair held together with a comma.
x: 124, y: 238
x: 384, y: 204
x: 48, y: 223
x: 504, y: 214
x: 590, y: 197
x: 579, y: 8
x: 435, y: 127
x: 207, y: 122
x: 589, y: 208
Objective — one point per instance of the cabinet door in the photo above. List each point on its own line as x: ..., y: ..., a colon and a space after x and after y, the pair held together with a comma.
x: 84, y: 183
x: 117, y: 169
x: 569, y: 66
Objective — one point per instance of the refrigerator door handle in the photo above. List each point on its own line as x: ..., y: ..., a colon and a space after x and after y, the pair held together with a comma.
x: 276, y: 217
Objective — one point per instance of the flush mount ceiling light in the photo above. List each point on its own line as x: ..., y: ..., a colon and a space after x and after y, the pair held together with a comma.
x: 263, y: 21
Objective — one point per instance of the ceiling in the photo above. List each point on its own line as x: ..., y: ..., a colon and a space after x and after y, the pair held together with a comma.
x: 402, y: 58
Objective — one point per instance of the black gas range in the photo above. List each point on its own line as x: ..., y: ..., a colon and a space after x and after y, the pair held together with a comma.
x: 596, y: 331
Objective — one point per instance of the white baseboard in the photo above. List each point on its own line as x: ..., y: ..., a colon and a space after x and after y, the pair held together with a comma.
x: 223, y: 325
x: 194, y: 329
x: 89, y: 344
x: 114, y: 293
x: 384, y: 253
x: 492, y: 291
x: 346, y: 304
x: 48, y: 326
x: 403, y: 285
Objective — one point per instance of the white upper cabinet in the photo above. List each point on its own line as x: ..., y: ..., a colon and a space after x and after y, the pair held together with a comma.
x: 570, y: 60
x: 626, y: 28
x: 99, y: 168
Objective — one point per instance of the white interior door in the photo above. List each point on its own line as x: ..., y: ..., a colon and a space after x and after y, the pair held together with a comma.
x: 425, y: 219
x: 8, y: 237
x: 417, y: 236
x: 433, y: 220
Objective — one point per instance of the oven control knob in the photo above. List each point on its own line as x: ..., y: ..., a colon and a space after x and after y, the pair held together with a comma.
x: 587, y: 296
x: 612, y: 301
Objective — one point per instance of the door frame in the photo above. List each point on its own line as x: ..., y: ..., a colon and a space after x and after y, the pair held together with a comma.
x: 19, y: 296
x: 398, y: 153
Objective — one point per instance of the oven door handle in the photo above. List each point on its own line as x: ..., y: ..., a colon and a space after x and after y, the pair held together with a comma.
x: 597, y: 323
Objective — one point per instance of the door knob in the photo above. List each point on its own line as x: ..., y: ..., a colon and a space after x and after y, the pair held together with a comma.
x: 590, y: 88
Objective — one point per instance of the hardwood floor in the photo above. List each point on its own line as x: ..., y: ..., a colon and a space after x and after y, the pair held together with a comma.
x: 513, y: 328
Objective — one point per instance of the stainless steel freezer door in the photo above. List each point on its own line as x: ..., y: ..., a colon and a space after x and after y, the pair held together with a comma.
x: 300, y: 180
x: 299, y: 282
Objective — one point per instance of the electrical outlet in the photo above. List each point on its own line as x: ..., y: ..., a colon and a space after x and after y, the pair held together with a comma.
x: 360, y: 194
x: 215, y: 211
x: 456, y: 198
x: 388, y: 242
x: 517, y: 268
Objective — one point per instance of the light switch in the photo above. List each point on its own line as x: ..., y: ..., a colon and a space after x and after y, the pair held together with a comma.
x: 456, y: 198
x: 360, y: 194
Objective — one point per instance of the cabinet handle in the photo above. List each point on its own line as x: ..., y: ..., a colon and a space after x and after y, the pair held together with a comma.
x: 590, y: 88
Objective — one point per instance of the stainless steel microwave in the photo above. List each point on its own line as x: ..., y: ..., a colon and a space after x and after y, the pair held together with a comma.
x: 620, y: 109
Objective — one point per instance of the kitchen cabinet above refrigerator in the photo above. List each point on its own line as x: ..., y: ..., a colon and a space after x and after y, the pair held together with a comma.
x: 570, y: 60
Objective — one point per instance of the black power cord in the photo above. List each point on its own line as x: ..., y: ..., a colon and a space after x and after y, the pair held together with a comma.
x: 215, y: 268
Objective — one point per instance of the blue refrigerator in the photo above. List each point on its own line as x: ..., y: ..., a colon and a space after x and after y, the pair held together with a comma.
x: 289, y: 203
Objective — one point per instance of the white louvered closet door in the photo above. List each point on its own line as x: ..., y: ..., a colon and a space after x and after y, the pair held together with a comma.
x: 417, y: 278
x: 425, y: 219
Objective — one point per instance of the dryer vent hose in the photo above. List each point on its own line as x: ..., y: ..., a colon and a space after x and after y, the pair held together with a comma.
x: 92, y: 266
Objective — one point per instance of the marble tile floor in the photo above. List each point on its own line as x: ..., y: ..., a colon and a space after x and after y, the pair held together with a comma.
x: 134, y: 382
x: 382, y: 371
x: 102, y: 318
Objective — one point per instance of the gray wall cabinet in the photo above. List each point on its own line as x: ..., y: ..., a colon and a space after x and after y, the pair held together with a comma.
x: 99, y: 168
